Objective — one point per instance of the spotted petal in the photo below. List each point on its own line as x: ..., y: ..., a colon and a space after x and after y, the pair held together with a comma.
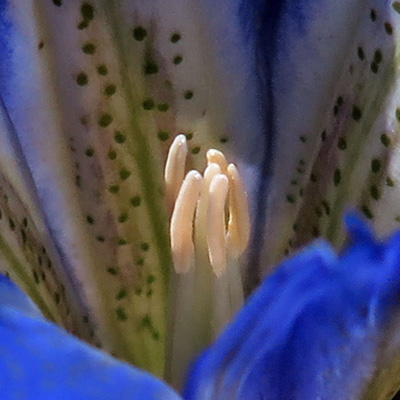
x: 329, y: 74
x: 321, y: 327
x: 96, y: 91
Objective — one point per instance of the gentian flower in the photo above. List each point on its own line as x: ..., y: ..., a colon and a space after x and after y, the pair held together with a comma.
x: 301, y: 96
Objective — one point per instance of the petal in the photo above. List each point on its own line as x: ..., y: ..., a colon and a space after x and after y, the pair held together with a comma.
x: 329, y: 77
x: 27, y: 253
x: 96, y: 93
x: 12, y: 296
x: 320, y: 327
x: 41, y: 361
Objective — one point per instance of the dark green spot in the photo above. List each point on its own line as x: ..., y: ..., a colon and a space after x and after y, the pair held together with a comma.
x: 196, y: 150
x: 385, y: 140
x: 139, y: 33
x: 121, y: 314
x: 293, y: 182
x: 223, y: 139
x: 57, y: 3
x: 175, y: 37
x: 100, y: 238
x: 11, y: 224
x: 374, y: 191
x: 189, y: 136
x: 372, y: 15
x: 177, y: 60
x: 378, y: 56
x: 356, y: 113
x: 40, y: 45
x: 89, y: 152
x: 102, y: 69
x: 87, y: 11
x: 57, y: 298
x: 188, y: 95
x: 150, y: 68
x: 112, y: 271
x: 303, y: 139
x: 140, y: 261
x: 90, y: 219
x: 151, y: 279
x: 342, y: 144
x: 163, y: 107
x: 360, y: 53
x: 82, y: 79
x: 105, y: 120
x: 376, y: 165
x: 326, y: 206
x: 337, y: 176
x: 374, y: 67
x: 135, y: 201
x: 323, y: 136
x: 398, y: 114
x: 113, y: 189
x: 163, y: 135
x: 367, y: 212
x: 89, y: 48
x: 119, y: 137
x: 112, y: 155
x: 148, y: 104
x: 123, y: 217
x: 313, y: 177
x: 124, y: 174
x: 145, y: 246
x: 290, y: 198
x: 121, y: 294
x: 122, y: 242
x: 388, y: 28
x: 109, y: 90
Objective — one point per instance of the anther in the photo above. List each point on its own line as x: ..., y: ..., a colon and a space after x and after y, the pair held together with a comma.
x: 238, y: 234
x: 175, y: 168
x: 216, y: 226
x: 217, y: 157
x: 181, y: 229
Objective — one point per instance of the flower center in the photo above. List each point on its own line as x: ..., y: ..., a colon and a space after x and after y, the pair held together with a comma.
x: 209, y: 231
x: 202, y: 203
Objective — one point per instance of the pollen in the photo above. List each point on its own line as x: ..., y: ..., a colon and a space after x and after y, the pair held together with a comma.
x: 212, y: 208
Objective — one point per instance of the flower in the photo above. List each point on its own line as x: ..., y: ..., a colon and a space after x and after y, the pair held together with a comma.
x: 301, y: 96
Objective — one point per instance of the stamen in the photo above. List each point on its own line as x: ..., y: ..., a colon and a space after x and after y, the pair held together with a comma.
x: 175, y: 168
x: 217, y: 157
x: 216, y: 226
x: 181, y: 229
x: 238, y: 235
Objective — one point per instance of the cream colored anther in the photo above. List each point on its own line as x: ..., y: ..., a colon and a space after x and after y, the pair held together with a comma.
x: 217, y: 157
x: 181, y: 228
x: 238, y: 234
x: 216, y: 226
x: 175, y: 168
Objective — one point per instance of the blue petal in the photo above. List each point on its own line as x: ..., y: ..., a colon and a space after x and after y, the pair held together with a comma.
x: 12, y: 296
x: 38, y: 360
x: 314, y: 330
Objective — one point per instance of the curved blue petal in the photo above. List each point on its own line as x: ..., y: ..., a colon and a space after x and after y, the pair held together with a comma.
x: 38, y: 360
x: 320, y: 327
x: 12, y: 296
